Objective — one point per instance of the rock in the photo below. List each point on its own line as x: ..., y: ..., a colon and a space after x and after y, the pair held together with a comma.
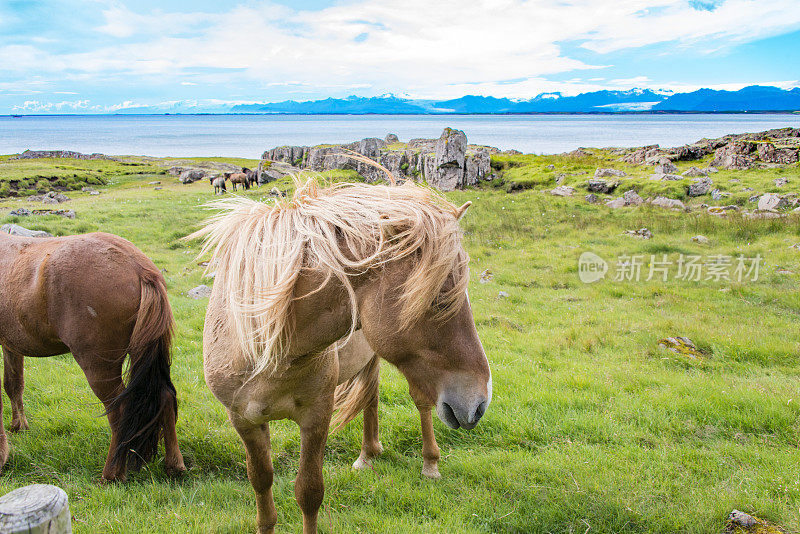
x: 563, y: 191
x: 88, y: 190
x: 711, y: 170
x: 716, y: 194
x: 681, y: 345
x: 601, y: 186
x: 154, y: 183
x: 780, y: 182
x: 632, y: 198
x: 700, y: 187
x: 21, y: 212
x: 451, y: 148
x: 666, y: 168
x: 550, y: 167
x: 591, y: 198
x: 603, y: 173
x: 772, y: 202
x: 669, y: 203
x: 485, y: 277
x: 269, y: 175
x: 275, y: 192
x: 191, y: 176
x: 722, y: 210
x: 199, y: 292
x: 502, y: 295
x: 694, y: 172
x: 15, y: 229
x: 36, y: 154
x: 175, y: 171
x: 700, y: 239
x: 642, y: 233
x: 51, y: 197
x: 391, y: 138
x: 616, y: 203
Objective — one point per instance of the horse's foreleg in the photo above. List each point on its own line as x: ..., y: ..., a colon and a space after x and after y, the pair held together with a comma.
x: 430, y: 449
x: 309, y: 487
x: 3, y: 438
x: 173, y: 459
x: 13, y: 375
x: 370, y: 444
x: 104, y: 374
x: 259, y: 470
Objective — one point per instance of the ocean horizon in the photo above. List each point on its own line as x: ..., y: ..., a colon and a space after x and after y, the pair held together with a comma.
x: 249, y: 135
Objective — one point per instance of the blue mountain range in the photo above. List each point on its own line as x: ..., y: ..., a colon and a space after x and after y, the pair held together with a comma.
x: 754, y: 98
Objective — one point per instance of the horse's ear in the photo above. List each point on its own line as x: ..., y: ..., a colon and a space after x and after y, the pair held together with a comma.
x: 462, y: 210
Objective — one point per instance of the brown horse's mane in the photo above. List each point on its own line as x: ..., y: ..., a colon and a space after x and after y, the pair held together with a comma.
x: 258, y: 250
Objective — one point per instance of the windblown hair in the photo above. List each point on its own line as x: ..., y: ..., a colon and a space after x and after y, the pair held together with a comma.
x: 344, y: 229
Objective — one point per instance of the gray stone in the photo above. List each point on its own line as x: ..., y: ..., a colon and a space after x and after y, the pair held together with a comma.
x: 742, y: 520
x: 771, y: 202
x: 694, y: 172
x: 666, y: 168
x: 604, y: 173
x: 591, y: 198
x: 716, y: 194
x: 601, y: 186
x: 641, y: 233
x: 700, y: 239
x: 392, y: 138
x: 632, y: 198
x: 781, y: 181
x: 666, y: 177
x: 616, y: 203
x: 191, y: 176
x: 199, y: 292
x: 35, y: 509
x: 563, y: 191
x: 21, y: 212
x: 669, y: 203
x: 451, y: 149
x: 15, y: 229
x: 700, y: 187
x: 502, y: 295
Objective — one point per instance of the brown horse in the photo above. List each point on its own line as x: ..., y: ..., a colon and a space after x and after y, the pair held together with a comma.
x: 238, y: 178
x: 358, y: 391
x: 252, y: 177
x: 98, y: 297
x: 219, y: 184
x: 295, y: 275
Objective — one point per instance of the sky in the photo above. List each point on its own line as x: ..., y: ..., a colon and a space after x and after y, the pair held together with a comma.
x: 77, y: 56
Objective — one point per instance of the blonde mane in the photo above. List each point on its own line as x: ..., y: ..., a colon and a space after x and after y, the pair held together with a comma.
x: 344, y: 229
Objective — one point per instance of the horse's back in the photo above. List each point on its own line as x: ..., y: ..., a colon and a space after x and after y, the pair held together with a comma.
x: 71, y: 292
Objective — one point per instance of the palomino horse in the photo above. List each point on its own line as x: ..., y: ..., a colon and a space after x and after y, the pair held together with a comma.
x: 98, y: 297
x: 238, y: 178
x: 358, y: 391
x: 219, y: 184
x: 295, y: 276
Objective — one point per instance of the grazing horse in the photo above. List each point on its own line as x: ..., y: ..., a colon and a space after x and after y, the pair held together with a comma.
x: 219, y: 184
x: 295, y: 275
x: 358, y: 391
x: 252, y: 177
x: 100, y: 298
x: 239, y: 178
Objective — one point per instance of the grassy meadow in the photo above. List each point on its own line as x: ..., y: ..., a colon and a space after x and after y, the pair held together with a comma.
x: 593, y: 427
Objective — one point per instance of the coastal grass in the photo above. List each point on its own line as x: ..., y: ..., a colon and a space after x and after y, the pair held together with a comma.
x: 593, y: 427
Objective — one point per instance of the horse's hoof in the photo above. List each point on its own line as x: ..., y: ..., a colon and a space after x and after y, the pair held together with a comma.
x: 111, y: 479
x: 18, y: 426
x: 362, y: 462
x: 175, y: 471
x: 431, y: 472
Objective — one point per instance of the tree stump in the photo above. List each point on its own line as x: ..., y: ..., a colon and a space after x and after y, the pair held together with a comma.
x: 35, y: 509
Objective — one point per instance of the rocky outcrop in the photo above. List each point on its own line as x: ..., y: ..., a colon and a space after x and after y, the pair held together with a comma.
x: 700, y: 187
x: 15, y: 229
x: 446, y: 163
x: 37, y: 154
x: 779, y: 146
x: 190, y: 176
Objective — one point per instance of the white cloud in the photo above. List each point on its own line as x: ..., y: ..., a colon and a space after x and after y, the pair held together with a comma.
x: 428, y: 49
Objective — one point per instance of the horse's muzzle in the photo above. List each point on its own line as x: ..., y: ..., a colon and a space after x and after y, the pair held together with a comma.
x: 461, y: 415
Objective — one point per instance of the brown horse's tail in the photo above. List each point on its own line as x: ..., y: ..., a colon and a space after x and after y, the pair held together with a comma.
x: 353, y: 396
x: 149, y: 395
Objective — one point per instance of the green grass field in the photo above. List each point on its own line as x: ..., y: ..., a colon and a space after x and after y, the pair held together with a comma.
x: 593, y: 428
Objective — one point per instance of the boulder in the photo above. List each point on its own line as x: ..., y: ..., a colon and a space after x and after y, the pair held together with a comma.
x: 700, y: 239
x: 199, y: 292
x: 666, y: 168
x: 391, y: 138
x: 771, y: 202
x: 448, y: 161
x: 616, y: 203
x: 15, y: 229
x: 191, y: 176
x: 563, y: 191
x: 641, y: 233
x: 666, y: 177
x: 604, y: 173
x: 632, y: 198
x: 700, y: 187
x: 591, y: 198
x: 601, y: 186
x: 780, y: 182
x: 694, y: 172
x: 669, y: 203
x: 21, y: 212
x: 51, y: 197
x: 716, y: 194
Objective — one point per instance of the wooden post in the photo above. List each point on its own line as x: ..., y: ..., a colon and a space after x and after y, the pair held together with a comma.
x: 35, y: 509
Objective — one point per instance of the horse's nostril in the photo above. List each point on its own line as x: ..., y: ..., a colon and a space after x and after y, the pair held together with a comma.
x: 479, y: 411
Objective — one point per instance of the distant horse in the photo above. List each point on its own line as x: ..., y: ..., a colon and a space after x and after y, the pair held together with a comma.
x: 219, y: 184
x: 239, y: 178
x: 358, y: 391
x: 98, y: 297
x: 252, y: 177
x: 295, y: 275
